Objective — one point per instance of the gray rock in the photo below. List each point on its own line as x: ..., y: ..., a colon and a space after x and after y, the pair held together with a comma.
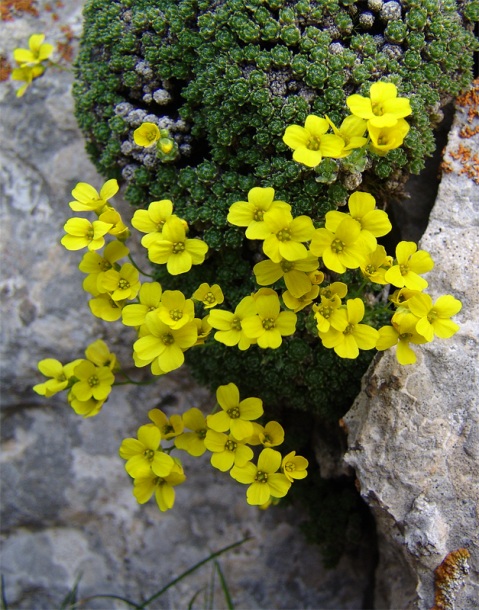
x: 413, y: 430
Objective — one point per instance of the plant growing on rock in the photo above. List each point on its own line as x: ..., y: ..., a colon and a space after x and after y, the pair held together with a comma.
x: 239, y: 128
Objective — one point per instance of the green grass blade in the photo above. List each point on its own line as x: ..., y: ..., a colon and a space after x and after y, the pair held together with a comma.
x: 119, y: 597
x: 3, y: 598
x: 193, y: 599
x: 224, y: 586
x: 191, y: 570
x: 71, y: 598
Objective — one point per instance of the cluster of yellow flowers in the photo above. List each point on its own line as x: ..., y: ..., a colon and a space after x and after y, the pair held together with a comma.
x: 88, y: 381
x: 30, y: 62
x: 300, y: 270
x: 228, y: 434
x: 381, y: 115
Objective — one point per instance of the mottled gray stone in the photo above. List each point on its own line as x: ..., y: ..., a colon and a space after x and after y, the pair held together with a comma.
x: 413, y: 430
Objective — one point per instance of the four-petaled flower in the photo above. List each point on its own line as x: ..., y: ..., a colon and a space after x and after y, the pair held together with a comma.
x: 263, y: 479
x: 411, y: 262
x: 235, y: 415
x: 311, y: 143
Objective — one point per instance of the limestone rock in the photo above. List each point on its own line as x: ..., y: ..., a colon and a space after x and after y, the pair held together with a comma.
x: 414, y: 431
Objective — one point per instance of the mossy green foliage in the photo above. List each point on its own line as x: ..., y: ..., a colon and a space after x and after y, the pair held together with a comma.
x: 235, y: 74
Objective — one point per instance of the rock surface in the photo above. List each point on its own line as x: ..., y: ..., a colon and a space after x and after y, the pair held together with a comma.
x: 67, y: 507
x: 414, y: 431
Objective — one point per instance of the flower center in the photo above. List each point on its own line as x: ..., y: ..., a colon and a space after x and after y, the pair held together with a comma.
x: 176, y: 314
x: 104, y: 265
x: 268, y: 323
x: 377, y: 108
x: 178, y: 247
x: 93, y: 381
x: 167, y: 429
x: 90, y: 234
x: 314, y: 143
x: 325, y: 311
x: 230, y: 445
x: 234, y: 412
x: 371, y: 269
x: 261, y: 477
x: 337, y: 246
x: 284, y: 234
x: 168, y: 339
x: 123, y: 284
x: 432, y: 315
x: 201, y: 433
x: 349, y: 329
x: 290, y: 467
x: 405, y: 336
x: 286, y: 266
x: 160, y: 225
x: 236, y: 323
x: 258, y: 215
x: 209, y: 298
x: 404, y: 269
x: 149, y: 454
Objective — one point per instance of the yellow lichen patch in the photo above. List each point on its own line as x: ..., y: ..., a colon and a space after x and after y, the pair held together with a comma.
x: 448, y: 577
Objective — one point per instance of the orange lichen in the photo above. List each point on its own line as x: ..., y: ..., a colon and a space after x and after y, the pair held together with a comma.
x: 9, y: 9
x: 448, y: 578
x: 5, y: 69
x: 469, y: 100
x: 65, y: 49
x: 468, y: 161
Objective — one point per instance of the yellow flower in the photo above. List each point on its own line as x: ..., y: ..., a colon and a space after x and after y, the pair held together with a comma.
x: 163, y: 346
x: 105, y: 308
x: 81, y: 233
x: 250, y: 213
x: 351, y: 131
x: 98, y: 353
x: 175, y: 310
x: 270, y: 324
x: 350, y: 336
x: 175, y: 249
x: 299, y: 303
x: 93, y: 381
x: 341, y: 249
x: 227, y: 451
x: 37, y: 52
x: 209, y: 295
x: 119, y: 228
x: 294, y: 273
x: 193, y: 442
x: 375, y: 265
x: 326, y: 313
x: 123, y: 284
x: 150, y: 299
x: 410, y: 263
x: 144, y: 455
x: 60, y: 376
x: 235, y: 415
x: 85, y: 408
x: 401, y: 333
x: 96, y: 264
x: 146, y: 135
x: 283, y: 235
x: 168, y: 426
x: 434, y: 318
x: 152, y: 220
x: 294, y: 466
x: 336, y: 288
x: 401, y: 296
x: 162, y: 487
x: 203, y: 328
x: 87, y: 198
x: 230, y: 325
x: 384, y: 139
x: 362, y: 208
x: 311, y: 143
x: 383, y: 108
x: 26, y: 75
x: 264, y: 481
x: 272, y: 434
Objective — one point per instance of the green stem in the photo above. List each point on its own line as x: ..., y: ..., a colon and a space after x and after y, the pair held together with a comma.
x: 132, y: 381
x: 137, y: 268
